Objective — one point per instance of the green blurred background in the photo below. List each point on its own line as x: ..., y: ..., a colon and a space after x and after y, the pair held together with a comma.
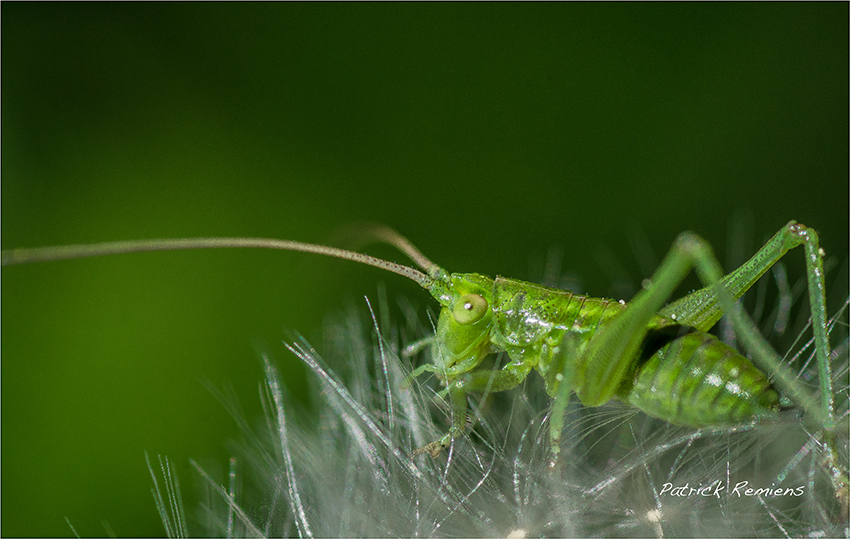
x: 485, y: 133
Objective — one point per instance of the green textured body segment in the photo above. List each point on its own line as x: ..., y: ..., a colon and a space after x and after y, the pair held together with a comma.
x: 698, y: 381
x: 527, y: 313
x: 532, y: 321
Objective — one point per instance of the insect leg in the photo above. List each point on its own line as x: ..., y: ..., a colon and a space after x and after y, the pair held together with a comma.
x: 416, y: 346
x: 458, y: 396
x: 563, y: 384
x: 701, y: 310
x: 763, y: 354
x: 611, y: 352
x: 790, y: 236
x: 427, y: 367
x: 481, y: 380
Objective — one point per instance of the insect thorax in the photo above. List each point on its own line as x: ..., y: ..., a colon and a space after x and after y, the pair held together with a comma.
x: 527, y: 314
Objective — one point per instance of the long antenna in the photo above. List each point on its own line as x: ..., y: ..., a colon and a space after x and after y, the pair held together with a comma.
x: 66, y: 252
x: 367, y: 232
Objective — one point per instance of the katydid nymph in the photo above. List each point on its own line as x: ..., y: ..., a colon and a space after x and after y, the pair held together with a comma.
x: 656, y: 358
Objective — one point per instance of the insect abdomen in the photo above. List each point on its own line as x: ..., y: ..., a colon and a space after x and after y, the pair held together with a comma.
x: 698, y: 381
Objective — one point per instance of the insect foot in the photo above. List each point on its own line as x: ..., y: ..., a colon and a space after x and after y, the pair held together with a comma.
x: 434, y: 448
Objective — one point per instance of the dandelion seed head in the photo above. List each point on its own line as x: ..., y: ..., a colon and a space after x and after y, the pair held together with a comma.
x: 345, y: 468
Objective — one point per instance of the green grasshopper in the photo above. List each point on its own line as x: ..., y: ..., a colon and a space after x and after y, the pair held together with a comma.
x: 656, y: 358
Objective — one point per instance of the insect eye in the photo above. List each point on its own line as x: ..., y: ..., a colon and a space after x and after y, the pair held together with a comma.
x: 469, y: 308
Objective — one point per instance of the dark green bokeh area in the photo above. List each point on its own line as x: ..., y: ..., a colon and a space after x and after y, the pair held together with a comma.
x: 485, y: 133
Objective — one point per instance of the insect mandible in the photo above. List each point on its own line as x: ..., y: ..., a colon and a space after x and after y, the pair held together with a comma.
x: 656, y: 358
